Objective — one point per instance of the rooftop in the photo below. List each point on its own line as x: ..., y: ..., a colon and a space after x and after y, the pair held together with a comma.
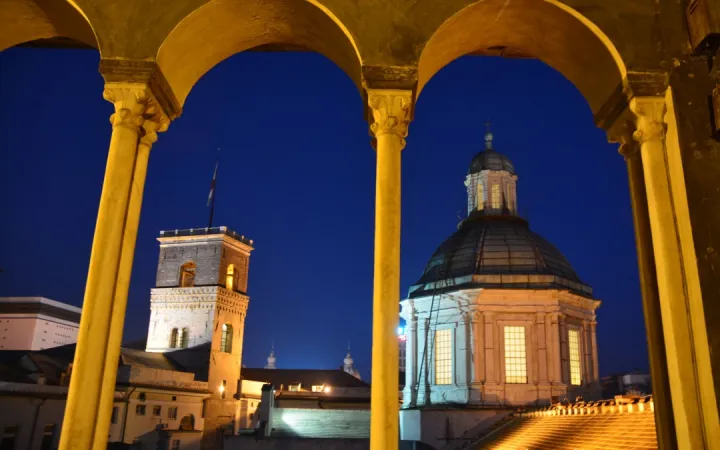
x: 40, y: 305
x: 304, y: 377
x: 206, y: 232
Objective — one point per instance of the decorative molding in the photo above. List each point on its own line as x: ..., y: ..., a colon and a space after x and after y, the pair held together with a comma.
x: 391, y: 110
x: 390, y: 77
x: 636, y: 83
x: 143, y: 72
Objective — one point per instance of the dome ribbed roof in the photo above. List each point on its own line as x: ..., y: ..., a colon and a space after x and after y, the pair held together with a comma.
x: 497, y: 252
x: 489, y: 159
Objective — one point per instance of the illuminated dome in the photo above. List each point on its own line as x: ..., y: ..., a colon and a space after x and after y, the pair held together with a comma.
x: 497, y: 252
x: 491, y: 160
x: 494, y: 247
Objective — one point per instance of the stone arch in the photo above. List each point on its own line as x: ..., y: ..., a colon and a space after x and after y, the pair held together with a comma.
x: 24, y: 21
x: 544, y: 29
x: 220, y: 29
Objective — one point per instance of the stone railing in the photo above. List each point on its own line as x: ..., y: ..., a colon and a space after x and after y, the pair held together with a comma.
x: 620, y: 404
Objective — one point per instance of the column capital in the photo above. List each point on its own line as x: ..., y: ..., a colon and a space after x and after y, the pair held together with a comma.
x: 143, y: 72
x: 136, y: 108
x: 650, y: 116
x: 391, y: 112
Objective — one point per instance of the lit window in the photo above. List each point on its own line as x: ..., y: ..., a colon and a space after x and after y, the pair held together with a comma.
x: 515, y: 358
x: 574, y: 343
x: 294, y: 388
x: 187, y: 274
x: 184, y: 338
x: 172, y: 412
x: 317, y: 388
x: 480, y: 196
x: 140, y: 410
x: 443, y: 356
x: 496, y: 196
x: 230, y: 277
x: 226, y: 338
x: 174, y: 338
x: 157, y: 410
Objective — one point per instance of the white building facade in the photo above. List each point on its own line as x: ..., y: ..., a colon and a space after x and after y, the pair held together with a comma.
x: 37, y: 323
x: 499, y: 317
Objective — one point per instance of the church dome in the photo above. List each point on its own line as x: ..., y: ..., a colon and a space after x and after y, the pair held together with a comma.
x: 497, y: 252
x: 489, y: 159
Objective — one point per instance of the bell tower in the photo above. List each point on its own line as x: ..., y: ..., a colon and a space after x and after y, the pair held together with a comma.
x: 198, y: 309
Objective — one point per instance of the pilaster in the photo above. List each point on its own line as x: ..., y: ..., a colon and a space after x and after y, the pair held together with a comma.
x: 478, y: 324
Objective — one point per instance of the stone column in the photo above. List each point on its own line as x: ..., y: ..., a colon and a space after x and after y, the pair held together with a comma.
x: 136, y: 119
x: 478, y: 339
x: 542, y: 351
x: 491, y: 352
x: 665, y: 423
x: 585, y: 348
x: 593, y: 344
x: 390, y: 119
x: 409, y: 396
x: 564, y: 360
x: 692, y: 390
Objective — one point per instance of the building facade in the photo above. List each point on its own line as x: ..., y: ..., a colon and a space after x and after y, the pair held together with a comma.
x: 37, y: 323
x: 499, y: 316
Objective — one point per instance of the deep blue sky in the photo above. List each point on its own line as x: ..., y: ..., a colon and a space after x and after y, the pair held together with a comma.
x: 297, y: 176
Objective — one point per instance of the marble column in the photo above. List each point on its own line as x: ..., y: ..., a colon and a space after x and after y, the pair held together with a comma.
x: 564, y: 359
x: 92, y: 386
x: 685, y: 331
x: 491, y: 350
x: 478, y: 325
x: 411, y: 362
x: 593, y: 344
x: 542, y: 350
x: 390, y: 118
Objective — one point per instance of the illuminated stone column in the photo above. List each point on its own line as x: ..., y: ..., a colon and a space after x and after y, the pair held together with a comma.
x: 564, y: 358
x: 692, y: 391
x: 478, y: 333
x: 390, y: 119
x: 593, y: 343
x: 410, y: 391
x: 136, y: 120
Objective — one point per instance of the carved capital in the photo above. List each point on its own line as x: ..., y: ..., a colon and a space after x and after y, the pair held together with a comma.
x: 137, y: 109
x: 650, y: 114
x: 391, y: 111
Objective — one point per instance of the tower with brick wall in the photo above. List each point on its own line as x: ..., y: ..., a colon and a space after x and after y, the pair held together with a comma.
x: 198, y: 308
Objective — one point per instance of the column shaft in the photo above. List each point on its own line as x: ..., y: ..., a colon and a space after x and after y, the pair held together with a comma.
x: 91, y: 374
x: 691, y: 384
x: 390, y: 114
x: 479, y: 347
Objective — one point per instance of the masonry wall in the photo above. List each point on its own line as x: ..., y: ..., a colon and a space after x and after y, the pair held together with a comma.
x: 206, y: 255
x: 286, y: 422
x: 20, y: 412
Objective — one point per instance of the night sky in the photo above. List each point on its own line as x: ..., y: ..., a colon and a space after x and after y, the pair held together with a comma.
x: 297, y: 176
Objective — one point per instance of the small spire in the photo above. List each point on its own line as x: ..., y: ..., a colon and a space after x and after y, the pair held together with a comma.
x: 488, y: 136
x: 271, y: 359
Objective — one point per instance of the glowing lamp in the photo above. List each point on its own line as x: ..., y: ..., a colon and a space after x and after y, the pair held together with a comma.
x: 221, y: 388
x: 327, y: 389
x: 401, y: 330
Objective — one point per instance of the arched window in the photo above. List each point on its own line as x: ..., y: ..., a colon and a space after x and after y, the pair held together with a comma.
x: 187, y: 274
x: 226, y: 338
x: 187, y: 423
x: 184, y: 337
x: 174, y: 338
x: 230, y: 277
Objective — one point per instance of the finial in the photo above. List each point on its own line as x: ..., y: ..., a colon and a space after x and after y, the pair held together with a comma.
x: 488, y: 136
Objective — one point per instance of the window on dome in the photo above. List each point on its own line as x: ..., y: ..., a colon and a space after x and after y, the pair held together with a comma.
x: 443, y: 356
x: 574, y: 344
x: 515, y: 357
x: 496, y: 196
x: 480, y: 196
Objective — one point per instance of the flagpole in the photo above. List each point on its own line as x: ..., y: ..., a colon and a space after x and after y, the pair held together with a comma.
x: 211, y: 200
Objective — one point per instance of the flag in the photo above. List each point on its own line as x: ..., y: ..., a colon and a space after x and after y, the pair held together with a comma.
x: 212, y: 186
